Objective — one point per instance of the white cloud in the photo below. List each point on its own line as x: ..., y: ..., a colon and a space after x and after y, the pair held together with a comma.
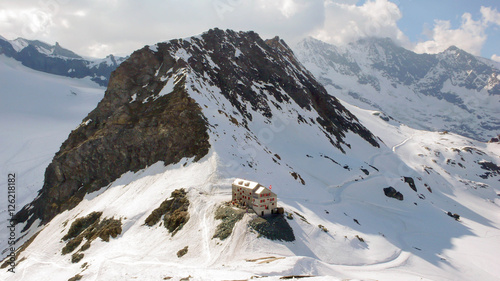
x: 495, y: 57
x: 24, y: 22
x: 490, y: 15
x: 123, y: 26
x: 470, y: 36
x: 98, y: 27
x: 126, y: 25
x: 96, y: 49
x: 346, y: 22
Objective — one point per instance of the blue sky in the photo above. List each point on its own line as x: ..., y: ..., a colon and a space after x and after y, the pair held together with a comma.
x: 420, y: 15
x: 100, y: 27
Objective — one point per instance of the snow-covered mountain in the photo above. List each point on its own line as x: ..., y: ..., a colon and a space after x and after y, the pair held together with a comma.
x: 57, y: 60
x: 135, y: 190
x: 453, y: 90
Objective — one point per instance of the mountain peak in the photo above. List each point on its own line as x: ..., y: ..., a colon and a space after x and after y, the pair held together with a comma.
x: 454, y: 50
x: 149, y: 172
x: 55, y: 59
x: 44, y: 48
x: 446, y: 80
x: 384, y: 41
x: 171, y: 92
x: 58, y: 50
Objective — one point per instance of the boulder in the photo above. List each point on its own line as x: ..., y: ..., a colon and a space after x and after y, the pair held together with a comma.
x: 393, y: 193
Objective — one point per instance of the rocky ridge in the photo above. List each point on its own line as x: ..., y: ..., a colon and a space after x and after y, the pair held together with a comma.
x: 57, y: 60
x: 148, y: 116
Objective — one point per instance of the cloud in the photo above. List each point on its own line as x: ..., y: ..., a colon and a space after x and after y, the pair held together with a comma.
x: 470, y: 36
x: 346, y: 22
x: 26, y: 21
x: 495, y: 57
x: 490, y: 15
x: 99, y: 27
x: 92, y: 27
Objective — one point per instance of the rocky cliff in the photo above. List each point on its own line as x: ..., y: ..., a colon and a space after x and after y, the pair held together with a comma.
x: 148, y: 113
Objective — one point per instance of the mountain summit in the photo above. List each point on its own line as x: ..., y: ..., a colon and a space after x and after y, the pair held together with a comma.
x: 452, y: 90
x: 142, y: 187
x: 158, y: 105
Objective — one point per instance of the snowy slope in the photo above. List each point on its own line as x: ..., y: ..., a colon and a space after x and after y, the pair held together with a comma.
x: 37, y: 113
x: 412, y: 239
x: 452, y: 90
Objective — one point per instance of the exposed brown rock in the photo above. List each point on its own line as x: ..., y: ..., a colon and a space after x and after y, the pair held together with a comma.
x: 122, y: 136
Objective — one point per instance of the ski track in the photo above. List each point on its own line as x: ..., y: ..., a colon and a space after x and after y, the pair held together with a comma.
x: 402, y: 143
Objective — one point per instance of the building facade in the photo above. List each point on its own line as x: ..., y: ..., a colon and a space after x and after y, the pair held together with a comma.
x: 255, y: 196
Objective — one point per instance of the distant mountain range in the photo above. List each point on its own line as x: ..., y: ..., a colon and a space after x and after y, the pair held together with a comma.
x: 57, y: 60
x: 452, y: 90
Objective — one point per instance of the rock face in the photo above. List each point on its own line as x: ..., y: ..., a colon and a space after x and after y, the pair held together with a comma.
x: 149, y: 114
x: 452, y: 90
x: 89, y: 228
x: 174, y: 211
x: 393, y: 193
x: 229, y: 216
x: 273, y: 227
x: 411, y: 183
x: 58, y: 60
x: 120, y: 136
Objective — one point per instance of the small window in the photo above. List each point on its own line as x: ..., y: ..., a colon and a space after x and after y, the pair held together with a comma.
x: 247, y: 184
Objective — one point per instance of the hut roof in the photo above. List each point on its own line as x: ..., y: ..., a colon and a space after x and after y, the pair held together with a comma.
x: 246, y: 184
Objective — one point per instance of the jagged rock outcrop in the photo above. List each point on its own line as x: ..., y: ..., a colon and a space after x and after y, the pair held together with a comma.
x: 174, y: 211
x: 119, y: 136
x: 273, y: 227
x: 393, y: 193
x: 148, y: 113
x: 411, y: 183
